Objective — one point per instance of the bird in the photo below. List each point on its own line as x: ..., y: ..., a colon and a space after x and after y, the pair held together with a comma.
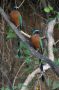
x: 14, y: 14
x: 36, y: 39
x: 16, y: 18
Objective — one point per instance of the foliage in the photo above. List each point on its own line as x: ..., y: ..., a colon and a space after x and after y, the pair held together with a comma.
x: 23, y: 51
x: 53, y: 84
x: 5, y: 88
x: 28, y: 60
x: 10, y: 33
x: 23, y: 48
x: 48, y: 9
x: 56, y: 61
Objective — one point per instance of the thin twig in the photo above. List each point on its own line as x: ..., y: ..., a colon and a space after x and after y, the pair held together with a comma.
x: 17, y: 7
x: 35, y: 13
x: 25, y: 34
x: 18, y: 73
x: 56, y: 42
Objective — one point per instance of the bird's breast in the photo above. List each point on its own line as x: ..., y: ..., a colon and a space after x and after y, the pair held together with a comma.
x: 35, y: 41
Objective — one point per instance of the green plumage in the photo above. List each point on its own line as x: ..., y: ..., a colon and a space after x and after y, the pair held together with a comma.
x: 20, y: 20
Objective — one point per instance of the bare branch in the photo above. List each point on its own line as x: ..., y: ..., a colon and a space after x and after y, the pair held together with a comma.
x: 18, y: 73
x: 51, y: 39
x: 17, y: 7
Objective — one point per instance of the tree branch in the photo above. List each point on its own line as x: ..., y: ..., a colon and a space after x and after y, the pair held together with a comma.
x: 51, y: 25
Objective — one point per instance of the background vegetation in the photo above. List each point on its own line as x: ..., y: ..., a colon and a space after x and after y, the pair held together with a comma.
x: 16, y: 61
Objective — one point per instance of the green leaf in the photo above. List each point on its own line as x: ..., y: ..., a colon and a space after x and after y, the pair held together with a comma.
x: 51, y: 8
x: 23, y: 45
x: 19, y: 54
x: 28, y: 60
x: 55, y: 85
x: 47, y: 9
x: 27, y: 52
x: 11, y: 35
